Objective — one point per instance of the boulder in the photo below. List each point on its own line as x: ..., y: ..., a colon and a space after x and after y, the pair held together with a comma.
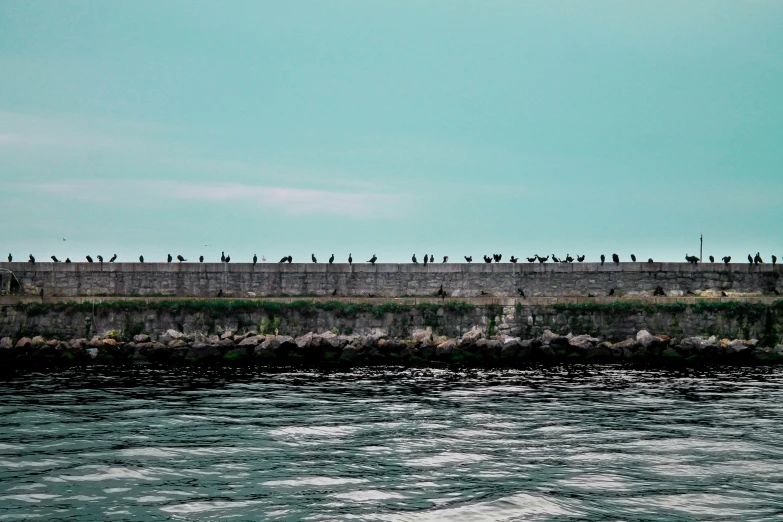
x: 95, y: 342
x: 78, y: 344
x: 647, y: 340
x: 421, y: 335
x: 304, y: 341
x: 141, y: 338
x: 278, y: 343
x: 510, y: 347
x: 228, y: 334
x: 736, y: 346
x: 624, y: 348
x: 488, y: 348
x: 445, y: 348
x: 24, y: 343
x: 550, y: 338
x: 252, y: 341
x: 171, y: 335
x: 226, y: 344
x: 37, y: 341
x: 6, y: 343
x: 583, y: 342
x: 239, y: 352
x: 202, y: 352
x: 92, y: 352
x: 471, y: 337
x: 328, y: 339
x: 178, y: 343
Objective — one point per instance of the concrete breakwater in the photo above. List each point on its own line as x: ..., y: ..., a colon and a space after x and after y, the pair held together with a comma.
x: 459, y: 280
x: 383, y: 331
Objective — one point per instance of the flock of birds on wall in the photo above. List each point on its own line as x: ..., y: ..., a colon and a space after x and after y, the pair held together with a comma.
x: 429, y: 258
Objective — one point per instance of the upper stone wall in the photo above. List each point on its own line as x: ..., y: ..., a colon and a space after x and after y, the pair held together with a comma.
x: 389, y: 279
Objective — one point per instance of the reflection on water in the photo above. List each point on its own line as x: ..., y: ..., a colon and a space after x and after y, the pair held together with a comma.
x: 597, y: 443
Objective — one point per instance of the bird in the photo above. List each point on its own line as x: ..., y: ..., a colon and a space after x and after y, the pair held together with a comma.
x: 650, y: 260
x: 290, y: 259
x: 758, y: 259
x: 220, y: 293
x: 222, y: 257
x: 616, y: 259
x: 774, y: 260
x: 255, y: 259
x: 611, y: 292
x: 89, y: 259
x: 531, y: 259
x: 331, y: 259
x: 63, y: 239
x: 580, y: 258
x: 555, y: 259
x: 712, y: 259
x: 513, y: 259
x: 659, y: 291
x: 169, y: 258
x: 373, y: 259
x: 10, y: 258
x: 633, y: 258
x: 350, y: 259
x: 692, y: 259
x: 521, y: 292
x: 141, y: 259
x: 370, y: 295
x: 726, y: 259
x: 100, y: 259
x: 445, y: 259
x: 284, y: 259
x: 750, y: 259
x: 543, y: 260
x: 441, y: 292
x: 67, y: 259
x: 181, y: 259
x: 603, y: 258
x: 432, y: 258
x: 469, y: 259
x: 200, y: 259
x: 723, y: 294
x: 31, y: 259
x: 497, y: 257
x: 487, y: 259
x: 41, y: 293
x: 484, y: 293
x: 312, y: 256
x: 54, y: 258
x: 228, y: 259
x: 413, y: 259
x: 263, y: 258
x: 335, y: 292
x: 569, y: 259
x: 426, y: 259
x: 113, y: 258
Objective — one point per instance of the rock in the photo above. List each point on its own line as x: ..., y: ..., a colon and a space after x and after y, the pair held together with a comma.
x: 647, y: 340
x: 252, y: 341
x: 553, y: 339
x: 37, y: 341
x: 510, y: 347
x: 92, y: 352
x: 171, y: 335
x: 240, y: 352
x: 78, y: 344
x: 213, y: 339
x: 603, y: 350
x: 445, y: 348
x: 6, y: 343
x: 178, y: 343
x: 471, y: 337
x: 421, y: 335
x: 489, y: 348
x: 228, y: 334
x: 736, y: 346
x: 624, y: 348
x: 527, y: 346
x: 24, y: 343
x: 203, y: 351
x: 304, y: 341
x: 778, y: 349
x: 583, y: 342
x: 141, y: 338
x: 95, y: 342
x: 328, y: 338
x: 278, y: 343
x: 108, y: 343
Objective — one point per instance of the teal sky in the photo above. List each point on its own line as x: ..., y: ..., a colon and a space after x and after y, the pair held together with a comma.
x: 390, y: 127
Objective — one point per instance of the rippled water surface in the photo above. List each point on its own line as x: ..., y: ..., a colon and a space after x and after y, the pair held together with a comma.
x: 606, y: 443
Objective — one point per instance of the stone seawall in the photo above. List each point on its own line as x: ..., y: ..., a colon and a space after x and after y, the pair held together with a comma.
x: 245, y: 280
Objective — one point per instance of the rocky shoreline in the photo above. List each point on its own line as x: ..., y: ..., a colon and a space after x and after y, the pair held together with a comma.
x: 423, y: 347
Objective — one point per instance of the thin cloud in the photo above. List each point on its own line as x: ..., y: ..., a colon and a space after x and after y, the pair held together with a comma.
x: 290, y: 200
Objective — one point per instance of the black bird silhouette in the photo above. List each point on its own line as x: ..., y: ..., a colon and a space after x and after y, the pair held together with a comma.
x: 89, y: 259
x: 774, y: 260
x: 200, y: 259
x: 290, y: 260
x: 569, y: 259
x: 692, y: 259
x: 712, y: 259
x: 441, y: 293
x: 67, y: 259
x: 469, y: 259
x: 181, y: 259
x: 141, y: 259
x: 726, y: 259
x: 413, y: 259
x: 331, y: 259
x: 633, y: 258
x: 555, y: 259
x: 10, y: 258
x: 220, y: 293
x: 603, y: 258
x: 335, y: 292
x: 113, y: 258
x: 521, y: 292
x: 532, y: 259
x: 169, y: 259
x: 255, y: 259
x: 616, y: 259
x: 659, y: 291
x: 758, y: 259
x: 513, y: 259
x: 54, y: 258
x: 222, y: 258
x: 228, y: 259
x: 373, y: 259
x: 445, y: 259
x: 580, y: 258
x: 487, y: 259
x: 426, y: 259
x: 723, y: 294
x: 284, y: 259
x: 350, y: 259
x: 611, y: 292
x: 650, y: 260
x: 543, y: 260
x: 41, y: 293
x: 432, y: 258
x: 31, y: 259
x: 750, y: 259
x: 312, y: 256
x: 484, y: 293
x: 100, y: 259
x: 496, y: 258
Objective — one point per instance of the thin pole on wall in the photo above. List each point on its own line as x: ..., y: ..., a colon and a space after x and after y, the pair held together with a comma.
x: 701, y: 245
